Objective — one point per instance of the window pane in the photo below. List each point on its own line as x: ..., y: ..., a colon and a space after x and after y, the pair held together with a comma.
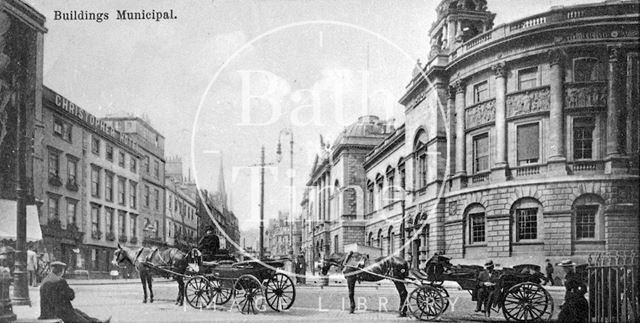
x: 481, y: 152
x: 527, y: 223
x: 528, y: 78
x: 480, y: 92
x: 528, y: 144
x: 583, y: 138
x: 477, y: 227
x: 586, y: 221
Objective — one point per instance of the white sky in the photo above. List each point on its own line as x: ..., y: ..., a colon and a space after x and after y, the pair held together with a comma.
x: 162, y: 70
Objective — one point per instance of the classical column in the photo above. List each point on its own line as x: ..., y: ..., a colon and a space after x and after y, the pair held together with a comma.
x: 451, y: 130
x: 499, y: 171
x: 461, y: 172
x: 614, y: 160
x: 632, y: 109
x: 557, y: 158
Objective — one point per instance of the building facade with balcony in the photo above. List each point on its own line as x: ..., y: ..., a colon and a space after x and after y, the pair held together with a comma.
x: 90, y: 193
x: 520, y: 141
x: 152, y: 168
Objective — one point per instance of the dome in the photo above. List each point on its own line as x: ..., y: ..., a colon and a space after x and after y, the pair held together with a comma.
x: 365, y: 126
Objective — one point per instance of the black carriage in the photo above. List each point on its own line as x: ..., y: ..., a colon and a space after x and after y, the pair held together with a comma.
x: 249, y: 283
x: 518, y: 293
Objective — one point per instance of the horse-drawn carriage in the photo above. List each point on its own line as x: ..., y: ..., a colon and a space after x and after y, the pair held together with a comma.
x: 250, y: 283
x: 517, y: 293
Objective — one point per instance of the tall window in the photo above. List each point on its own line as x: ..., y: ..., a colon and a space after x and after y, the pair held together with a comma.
x: 422, y: 170
x: 54, y: 164
x: 95, y: 182
x: 157, y: 229
x: 95, y: 218
x: 72, y: 170
x: 95, y: 145
x: 370, y: 240
x: 108, y: 186
x: 528, y: 144
x: 71, y: 212
x: 391, y: 185
x: 121, y: 158
x: 336, y: 248
x: 527, y: 78
x: 420, y: 151
x: 379, y: 190
x: 402, y: 172
x: 122, y: 215
x: 527, y: 224
x: 122, y: 194
x: 481, y: 92
x: 133, y: 194
x: 476, y: 227
x: 133, y: 164
x: 108, y: 217
x: 54, y: 208
x: 370, y: 197
x: 146, y: 196
x: 134, y: 225
x: 157, y: 199
x: 587, y: 70
x: 390, y: 246
x: 481, y: 153
x: 380, y: 238
x: 583, y: 138
x: 146, y: 164
x: 586, y: 221
x: 109, y: 152
x: 156, y: 169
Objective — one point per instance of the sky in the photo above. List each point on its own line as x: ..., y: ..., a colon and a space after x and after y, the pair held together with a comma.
x: 225, y: 78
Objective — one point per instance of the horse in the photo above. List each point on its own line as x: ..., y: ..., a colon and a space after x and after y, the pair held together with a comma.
x: 170, y: 258
x: 353, y: 267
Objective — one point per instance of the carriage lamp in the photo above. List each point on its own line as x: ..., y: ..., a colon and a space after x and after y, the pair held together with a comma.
x: 6, y: 263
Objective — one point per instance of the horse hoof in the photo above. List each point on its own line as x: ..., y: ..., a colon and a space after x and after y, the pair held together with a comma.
x: 151, y: 300
x: 351, y: 311
x: 402, y: 315
x: 144, y: 301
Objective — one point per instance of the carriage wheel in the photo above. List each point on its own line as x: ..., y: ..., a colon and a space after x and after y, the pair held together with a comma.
x: 219, y: 293
x: 280, y: 292
x: 445, y: 293
x: 249, y: 294
x: 197, y: 292
x: 427, y: 303
x: 527, y: 302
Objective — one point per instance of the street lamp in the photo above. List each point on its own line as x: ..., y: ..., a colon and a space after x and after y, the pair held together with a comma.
x: 287, y: 131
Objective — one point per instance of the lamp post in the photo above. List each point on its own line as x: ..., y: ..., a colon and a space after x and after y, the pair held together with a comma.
x: 262, y: 166
x: 287, y: 131
x: 21, y: 289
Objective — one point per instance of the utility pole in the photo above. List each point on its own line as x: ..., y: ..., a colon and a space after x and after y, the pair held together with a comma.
x: 291, y: 196
x: 262, y: 204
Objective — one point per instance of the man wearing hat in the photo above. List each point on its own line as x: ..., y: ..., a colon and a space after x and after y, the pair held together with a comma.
x: 209, y: 244
x: 575, y: 307
x: 486, y: 286
x: 56, y: 297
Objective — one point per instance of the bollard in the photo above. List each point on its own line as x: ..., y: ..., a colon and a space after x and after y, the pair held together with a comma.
x: 6, y: 262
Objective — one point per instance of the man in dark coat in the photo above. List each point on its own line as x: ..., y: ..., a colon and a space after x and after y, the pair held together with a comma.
x: 209, y: 245
x: 549, y: 270
x: 486, y: 286
x: 575, y: 308
x: 56, y: 297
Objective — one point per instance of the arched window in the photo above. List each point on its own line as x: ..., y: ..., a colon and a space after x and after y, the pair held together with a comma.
x: 475, y: 224
x: 370, y: 197
x: 401, y: 173
x: 587, y: 218
x: 336, y: 199
x: 379, y: 190
x: 370, y: 240
x: 380, y: 238
x: 420, y: 153
x: 527, y: 219
x: 390, y: 245
x: 391, y: 185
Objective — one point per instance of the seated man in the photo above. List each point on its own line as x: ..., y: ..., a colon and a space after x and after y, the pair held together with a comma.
x: 486, y: 286
x: 56, y: 297
x: 209, y: 245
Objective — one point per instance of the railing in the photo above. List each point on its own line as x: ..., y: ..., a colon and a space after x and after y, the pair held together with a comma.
x: 480, y: 178
x: 612, y: 281
x: 587, y: 166
x: 527, y: 170
x: 550, y: 17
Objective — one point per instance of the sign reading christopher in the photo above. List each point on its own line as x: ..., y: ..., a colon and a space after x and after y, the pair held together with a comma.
x: 85, y: 117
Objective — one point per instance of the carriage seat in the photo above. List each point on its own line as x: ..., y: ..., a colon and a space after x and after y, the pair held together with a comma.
x: 419, y: 274
x: 215, y: 263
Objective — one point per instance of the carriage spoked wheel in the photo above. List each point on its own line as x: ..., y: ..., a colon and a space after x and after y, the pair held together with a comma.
x: 280, y: 292
x: 527, y: 302
x: 197, y: 292
x: 427, y: 302
x: 219, y: 294
x: 249, y: 294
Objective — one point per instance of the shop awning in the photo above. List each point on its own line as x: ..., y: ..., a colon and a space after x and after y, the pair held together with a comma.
x: 8, y: 213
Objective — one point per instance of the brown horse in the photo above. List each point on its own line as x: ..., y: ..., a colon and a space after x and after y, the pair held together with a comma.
x: 168, y: 259
x: 354, y: 267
